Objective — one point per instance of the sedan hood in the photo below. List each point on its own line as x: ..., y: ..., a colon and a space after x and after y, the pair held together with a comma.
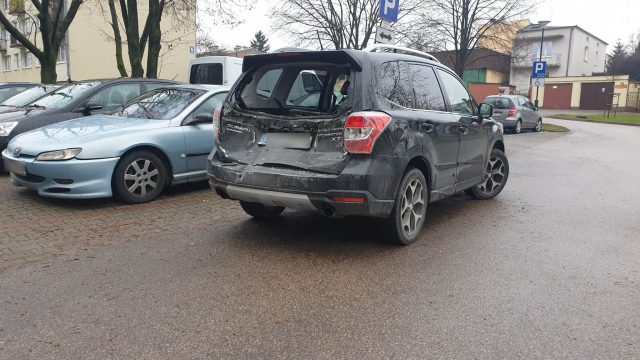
x: 78, y: 132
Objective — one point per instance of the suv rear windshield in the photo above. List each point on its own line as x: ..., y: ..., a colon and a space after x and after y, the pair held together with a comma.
x: 498, y: 102
x: 295, y: 89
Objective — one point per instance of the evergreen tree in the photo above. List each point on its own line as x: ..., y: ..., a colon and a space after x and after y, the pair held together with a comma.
x: 260, y: 41
x: 616, y: 58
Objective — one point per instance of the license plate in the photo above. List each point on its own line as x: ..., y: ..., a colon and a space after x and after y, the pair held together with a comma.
x: 286, y: 140
x: 15, y: 167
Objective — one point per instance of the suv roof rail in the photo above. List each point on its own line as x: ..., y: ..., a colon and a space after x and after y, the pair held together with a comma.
x: 400, y: 49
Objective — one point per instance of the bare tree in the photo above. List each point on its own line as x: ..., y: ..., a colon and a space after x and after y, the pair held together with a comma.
x: 54, y: 22
x: 124, y: 14
x: 207, y: 46
x: 338, y: 24
x: 459, y: 26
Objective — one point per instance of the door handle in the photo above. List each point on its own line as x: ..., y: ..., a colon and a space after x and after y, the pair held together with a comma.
x: 426, y: 127
x: 463, y: 129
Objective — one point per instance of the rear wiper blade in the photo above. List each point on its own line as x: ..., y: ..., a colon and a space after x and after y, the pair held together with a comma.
x: 36, y: 106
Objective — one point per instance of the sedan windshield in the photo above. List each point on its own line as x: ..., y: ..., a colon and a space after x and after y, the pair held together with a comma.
x: 27, y: 96
x: 161, y: 104
x: 65, y: 95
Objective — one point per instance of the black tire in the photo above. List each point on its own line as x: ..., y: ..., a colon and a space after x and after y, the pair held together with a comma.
x: 149, y: 169
x: 404, y: 223
x: 261, y: 212
x: 497, y: 176
x: 518, y: 128
x: 538, y: 127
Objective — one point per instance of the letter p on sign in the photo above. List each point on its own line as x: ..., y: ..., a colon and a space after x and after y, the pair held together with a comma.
x: 389, y: 10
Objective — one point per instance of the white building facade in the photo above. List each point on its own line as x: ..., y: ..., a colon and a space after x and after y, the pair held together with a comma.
x: 568, y: 51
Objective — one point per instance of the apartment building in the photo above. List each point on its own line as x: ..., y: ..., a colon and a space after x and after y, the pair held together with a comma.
x: 89, y: 52
x: 569, y: 51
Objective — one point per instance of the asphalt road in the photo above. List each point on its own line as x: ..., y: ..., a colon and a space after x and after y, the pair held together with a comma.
x: 549, y: 269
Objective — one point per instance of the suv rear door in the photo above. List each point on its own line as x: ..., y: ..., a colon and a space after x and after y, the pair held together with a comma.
x: 474, y: 137
x: 276, y: 118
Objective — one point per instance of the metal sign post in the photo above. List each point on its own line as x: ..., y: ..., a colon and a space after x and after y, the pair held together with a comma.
x: 388, y: 14
x: 538, y: 75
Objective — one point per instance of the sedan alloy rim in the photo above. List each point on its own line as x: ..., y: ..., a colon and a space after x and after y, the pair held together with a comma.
x: 412, y: 208
x: 495, y: 176
x: 141, y: 177
x: 518, y: 127
x: 539, y: 125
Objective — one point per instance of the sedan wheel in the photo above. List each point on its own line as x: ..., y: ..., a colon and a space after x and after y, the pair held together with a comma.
x: 496, y: 176
x: 140, y: 177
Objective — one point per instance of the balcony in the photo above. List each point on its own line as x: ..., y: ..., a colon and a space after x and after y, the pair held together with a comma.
x: 553, y: 60
x: 16, y: 7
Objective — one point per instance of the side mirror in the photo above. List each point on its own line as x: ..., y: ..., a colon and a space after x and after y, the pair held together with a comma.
x: 486, y: 110
x: 89, y: 107
x: 203, y: 118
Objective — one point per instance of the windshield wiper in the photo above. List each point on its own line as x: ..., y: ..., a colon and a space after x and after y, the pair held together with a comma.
x: 146, y: 111
x: 36, y: 106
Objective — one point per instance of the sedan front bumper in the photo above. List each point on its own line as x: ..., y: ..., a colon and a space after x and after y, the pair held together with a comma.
x: 75, y: 179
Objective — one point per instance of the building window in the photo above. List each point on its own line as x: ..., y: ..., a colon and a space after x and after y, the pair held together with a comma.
x: 62, y: 53
x: 7, y: 62
x: 586, y: 53
x: 16, y: 60
x: 26, y: 59
x: 597, y: 58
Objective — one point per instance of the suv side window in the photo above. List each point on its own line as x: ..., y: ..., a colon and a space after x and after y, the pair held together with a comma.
x: 459, y: 98
x: 428, y: 95
x: 268, y: 82
x: 393, y: 85
x: 116, y: 95
x: 306, y: 89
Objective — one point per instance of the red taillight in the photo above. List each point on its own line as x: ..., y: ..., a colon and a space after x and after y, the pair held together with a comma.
x: 512, y: 111
x: 217, y: 114
x: 362, y: 129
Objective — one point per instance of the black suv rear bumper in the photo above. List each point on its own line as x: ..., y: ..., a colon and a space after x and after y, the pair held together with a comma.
x: 355, y: 191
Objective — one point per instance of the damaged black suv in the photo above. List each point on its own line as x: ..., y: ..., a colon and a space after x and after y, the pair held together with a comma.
x: 381, y: 132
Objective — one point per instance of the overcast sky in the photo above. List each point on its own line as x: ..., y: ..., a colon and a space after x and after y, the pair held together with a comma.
x: 608, y: 19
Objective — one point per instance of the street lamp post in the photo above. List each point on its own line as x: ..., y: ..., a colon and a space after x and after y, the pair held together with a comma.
x: 541, y: 24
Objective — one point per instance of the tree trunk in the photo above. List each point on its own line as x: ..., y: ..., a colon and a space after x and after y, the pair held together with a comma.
x: 117, y: 39
x: 130, y: 15
x: 155, y: 36
x: 48, y: 74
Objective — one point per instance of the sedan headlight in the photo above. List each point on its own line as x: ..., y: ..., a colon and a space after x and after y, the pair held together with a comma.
x: 58, y: 155
x: 7, y: 127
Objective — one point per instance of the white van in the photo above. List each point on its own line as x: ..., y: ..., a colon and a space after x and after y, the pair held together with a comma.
x: 215, y: 70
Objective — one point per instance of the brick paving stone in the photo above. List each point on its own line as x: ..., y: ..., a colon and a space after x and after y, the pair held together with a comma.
x: 36, y: 229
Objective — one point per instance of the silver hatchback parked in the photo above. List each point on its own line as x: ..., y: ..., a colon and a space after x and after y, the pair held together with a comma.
x: 515, y: 112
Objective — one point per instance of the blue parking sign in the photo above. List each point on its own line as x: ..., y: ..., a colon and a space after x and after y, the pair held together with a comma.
x: 539, y: 69
x: 389, y: 10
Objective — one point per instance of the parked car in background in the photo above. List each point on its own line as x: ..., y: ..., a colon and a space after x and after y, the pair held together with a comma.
x: 8, y: 90
x: 515, y: 112
x: 19, y: 101
x: 404, y: 133
x: 72, y: 101
x: 158, y: 139
x: 215, y: 70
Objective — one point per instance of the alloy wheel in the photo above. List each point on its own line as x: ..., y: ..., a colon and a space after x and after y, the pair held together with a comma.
x: 539, y: 126
x: 495, y: 176
x: 141, y: 177
x: 518, y: 127
x: 413, y: 206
